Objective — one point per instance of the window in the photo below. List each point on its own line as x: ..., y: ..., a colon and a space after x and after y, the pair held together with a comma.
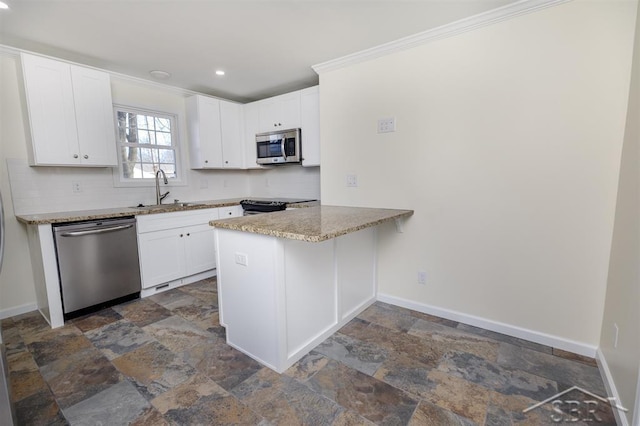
x: 147, y: 142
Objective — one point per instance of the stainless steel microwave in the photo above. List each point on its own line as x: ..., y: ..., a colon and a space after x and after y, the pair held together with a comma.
x: 278, y: 147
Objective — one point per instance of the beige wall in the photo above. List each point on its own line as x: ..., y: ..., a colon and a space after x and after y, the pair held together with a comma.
x: 507, y: 147
x: 622, y: 305
x: 16, y: 280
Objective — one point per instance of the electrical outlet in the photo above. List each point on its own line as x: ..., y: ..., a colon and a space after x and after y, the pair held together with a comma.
x: 616, y: 331
x: 386, y: 125
x: 76, y: 187
x: 352, y: 181
x: 422, y: 277
x: 242, y: 259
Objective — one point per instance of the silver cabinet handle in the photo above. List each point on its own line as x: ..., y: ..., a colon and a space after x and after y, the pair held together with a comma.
x: 75, y: 155
x: 86, y: 156
x: 95, y: 231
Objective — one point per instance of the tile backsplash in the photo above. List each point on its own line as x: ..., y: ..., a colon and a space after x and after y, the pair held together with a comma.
x: 54, y: 189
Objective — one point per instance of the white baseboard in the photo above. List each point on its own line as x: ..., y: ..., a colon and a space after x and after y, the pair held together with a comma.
x: 610, y: 385
x: 17, y: 310
x: 499, y: 327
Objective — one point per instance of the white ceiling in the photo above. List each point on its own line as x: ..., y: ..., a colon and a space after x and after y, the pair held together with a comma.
x: 266, y: 47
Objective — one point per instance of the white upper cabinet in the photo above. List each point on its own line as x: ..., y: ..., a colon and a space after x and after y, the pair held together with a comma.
x: 300, y: 109
x: 205, y: 135
x: 310, y: 124
x: 231, y: 120
x: 215, y: 133
x: 94, y: 116
x: 251, y: 127
x: 70, y: 114
x: 280, y: 112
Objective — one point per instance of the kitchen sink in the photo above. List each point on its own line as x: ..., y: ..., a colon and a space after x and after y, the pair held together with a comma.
x: 165, y: 206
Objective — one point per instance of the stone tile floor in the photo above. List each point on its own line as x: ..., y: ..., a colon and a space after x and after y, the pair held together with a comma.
x: 163, y: 360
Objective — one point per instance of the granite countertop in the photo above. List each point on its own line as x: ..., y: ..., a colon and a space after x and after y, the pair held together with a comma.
x: 313, y: 224
x: 82, y: 215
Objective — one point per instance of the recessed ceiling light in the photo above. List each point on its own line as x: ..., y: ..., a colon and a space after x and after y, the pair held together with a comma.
x: 3, y: 5
x: 160, y: 75
x: 219, y: 72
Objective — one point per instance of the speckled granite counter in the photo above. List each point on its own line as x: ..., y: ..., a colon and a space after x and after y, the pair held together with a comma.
x: 312, y: 224
x: 82, y: 215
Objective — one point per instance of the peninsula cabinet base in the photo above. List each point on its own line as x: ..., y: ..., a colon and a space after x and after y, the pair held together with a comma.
x: 279, y: 298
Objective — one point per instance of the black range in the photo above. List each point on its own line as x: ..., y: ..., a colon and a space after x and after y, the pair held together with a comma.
x: 265, y: 205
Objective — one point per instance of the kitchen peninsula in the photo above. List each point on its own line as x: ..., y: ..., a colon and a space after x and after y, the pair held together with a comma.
x: 288, y: 280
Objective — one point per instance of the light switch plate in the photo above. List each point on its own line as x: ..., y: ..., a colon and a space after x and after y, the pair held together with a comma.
x: 386, y: 125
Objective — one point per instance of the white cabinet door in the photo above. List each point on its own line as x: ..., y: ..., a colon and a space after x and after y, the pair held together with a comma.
x: 52, y: 119
x: 251, y: 128
x: 162, y: 256
x: 290, y: 110
x: 205, y: 138
x: 280, y: 112
x: 175, y: 245
x: 231, y: 130
x: 310, y: 124
x: 94, y: 116
x: 200, y: 249
x: 70, y: 114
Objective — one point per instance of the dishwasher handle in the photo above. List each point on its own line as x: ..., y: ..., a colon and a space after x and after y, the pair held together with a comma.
x: 95, y: 231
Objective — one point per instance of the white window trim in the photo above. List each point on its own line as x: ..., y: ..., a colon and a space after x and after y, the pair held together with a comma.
x: 181, y: 180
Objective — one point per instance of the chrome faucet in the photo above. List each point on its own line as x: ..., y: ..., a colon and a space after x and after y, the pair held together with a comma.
x: 160, y: 197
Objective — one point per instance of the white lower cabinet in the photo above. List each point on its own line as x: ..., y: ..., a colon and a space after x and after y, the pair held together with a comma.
x: 200, y: 249
x: 176, y: 248
x: 279, y: 298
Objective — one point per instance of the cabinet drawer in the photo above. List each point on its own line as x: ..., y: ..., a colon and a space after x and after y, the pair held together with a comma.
x: 160, y: 221
x: 231, y: 211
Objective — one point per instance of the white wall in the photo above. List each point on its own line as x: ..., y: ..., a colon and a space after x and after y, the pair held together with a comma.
x: 622, y: 305
x: 286, y: 181
x: 49, y: 189
x: 507, y: 147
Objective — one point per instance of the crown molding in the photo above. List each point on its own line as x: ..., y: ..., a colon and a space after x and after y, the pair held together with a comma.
x: 9, y: 51
x: 448, y: 30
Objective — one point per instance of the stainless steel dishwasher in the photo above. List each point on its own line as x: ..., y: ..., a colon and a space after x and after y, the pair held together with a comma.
x: 97, y: 264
